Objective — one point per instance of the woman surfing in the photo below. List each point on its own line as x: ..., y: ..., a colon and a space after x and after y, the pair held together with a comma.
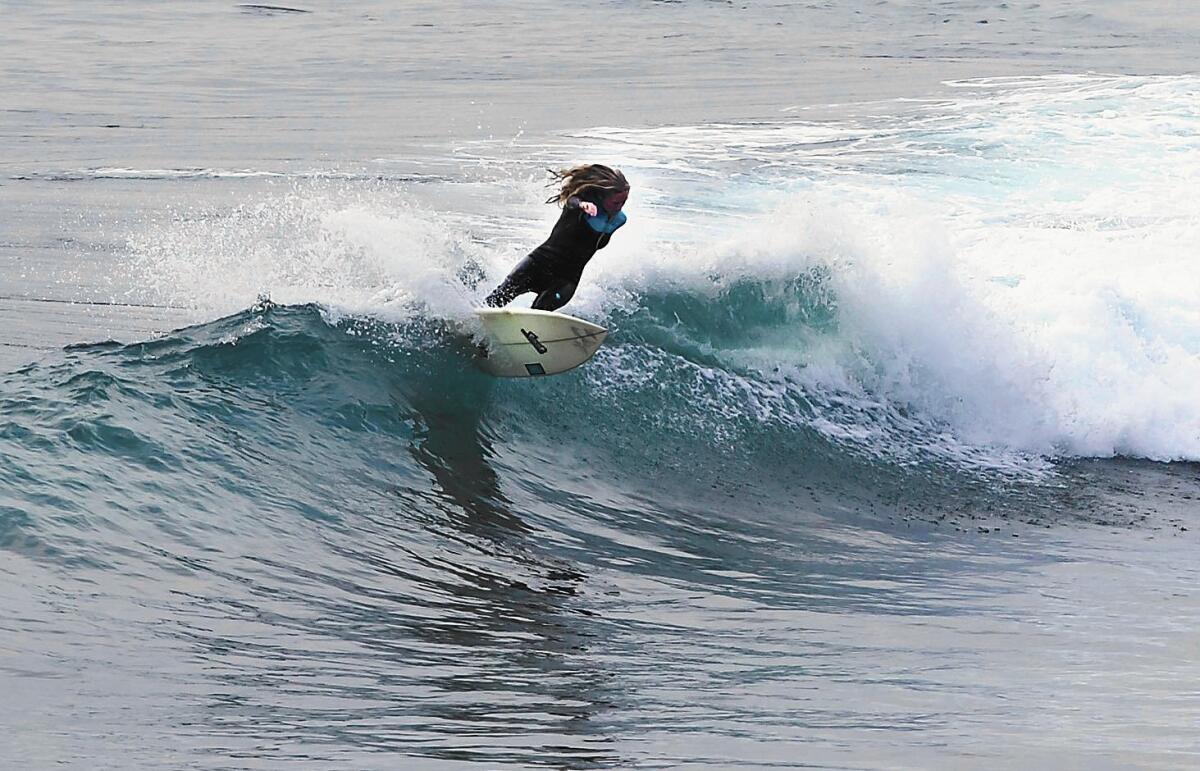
x: 591, y: 197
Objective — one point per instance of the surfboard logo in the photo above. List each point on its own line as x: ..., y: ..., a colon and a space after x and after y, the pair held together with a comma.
x: 533, y: 340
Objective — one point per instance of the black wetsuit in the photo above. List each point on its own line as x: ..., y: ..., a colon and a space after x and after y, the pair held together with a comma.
x: 553, y: 269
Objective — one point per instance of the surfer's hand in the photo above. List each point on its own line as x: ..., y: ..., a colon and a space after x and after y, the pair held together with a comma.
x: 588, y: 207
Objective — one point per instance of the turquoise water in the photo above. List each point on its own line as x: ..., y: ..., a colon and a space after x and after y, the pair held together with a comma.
x: 889, y: 460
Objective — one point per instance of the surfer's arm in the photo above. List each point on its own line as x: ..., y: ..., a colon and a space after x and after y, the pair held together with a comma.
x: 574, y: 202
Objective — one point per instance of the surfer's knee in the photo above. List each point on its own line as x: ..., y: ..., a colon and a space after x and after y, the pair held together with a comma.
x: 554, y: 298
x: 508, y: 291
x: 497, y: 298
x: 521, y: 279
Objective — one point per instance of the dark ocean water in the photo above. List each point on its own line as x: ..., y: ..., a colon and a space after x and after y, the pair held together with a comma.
x: 889, y: 461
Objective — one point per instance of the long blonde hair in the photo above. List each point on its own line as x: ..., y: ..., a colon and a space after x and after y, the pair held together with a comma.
x: 588, y: 181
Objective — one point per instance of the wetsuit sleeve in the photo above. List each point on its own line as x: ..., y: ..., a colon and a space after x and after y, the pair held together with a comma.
x: 572, y: 202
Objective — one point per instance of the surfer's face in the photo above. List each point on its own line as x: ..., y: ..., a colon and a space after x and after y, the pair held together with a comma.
x: 613, y: 202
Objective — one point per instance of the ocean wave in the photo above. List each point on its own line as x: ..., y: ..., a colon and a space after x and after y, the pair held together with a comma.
x: 1006, y: 275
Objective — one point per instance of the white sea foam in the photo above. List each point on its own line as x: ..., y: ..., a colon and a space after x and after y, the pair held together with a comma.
x: 363, y: 251
x: 1021, y: 268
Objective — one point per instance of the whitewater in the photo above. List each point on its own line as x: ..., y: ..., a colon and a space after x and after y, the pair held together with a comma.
x: 888, y: 461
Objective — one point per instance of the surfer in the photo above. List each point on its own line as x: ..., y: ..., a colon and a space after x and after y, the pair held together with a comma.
x: 591, y: 197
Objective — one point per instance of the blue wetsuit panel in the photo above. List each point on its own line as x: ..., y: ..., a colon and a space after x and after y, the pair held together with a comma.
x: 605, y: 223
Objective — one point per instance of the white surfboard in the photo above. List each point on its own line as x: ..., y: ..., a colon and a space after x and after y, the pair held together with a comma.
x: 522, y: 342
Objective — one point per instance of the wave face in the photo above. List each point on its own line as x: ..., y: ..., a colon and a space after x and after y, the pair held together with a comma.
x: 297, y: 409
